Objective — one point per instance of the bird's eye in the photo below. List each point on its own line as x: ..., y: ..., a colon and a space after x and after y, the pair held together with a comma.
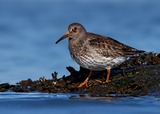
x: 74, y: 29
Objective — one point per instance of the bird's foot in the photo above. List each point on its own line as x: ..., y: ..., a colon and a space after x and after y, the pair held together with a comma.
x: 103, y: 82
x: 108, y: 81
x: 84, y: 83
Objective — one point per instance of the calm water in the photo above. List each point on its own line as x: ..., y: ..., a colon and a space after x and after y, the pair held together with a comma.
x: 29, y: 30
x: 18, y: 103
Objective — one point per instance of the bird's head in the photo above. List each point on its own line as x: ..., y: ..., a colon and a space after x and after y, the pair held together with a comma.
x: 75, y: 31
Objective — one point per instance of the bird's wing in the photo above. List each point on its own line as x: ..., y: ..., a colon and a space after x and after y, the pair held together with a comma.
x: 109, y: 47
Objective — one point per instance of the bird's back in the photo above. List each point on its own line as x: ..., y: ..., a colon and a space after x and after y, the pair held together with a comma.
x: 110, y: 47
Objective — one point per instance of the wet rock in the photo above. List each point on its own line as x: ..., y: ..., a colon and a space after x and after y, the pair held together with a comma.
x: 54, y: 76
x: 26, y: 82
x: 3, y: 90
x: 4, y: 85
x: 18, y: 89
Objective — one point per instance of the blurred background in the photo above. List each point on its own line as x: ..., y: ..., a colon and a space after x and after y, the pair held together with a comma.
x: 29, y: 30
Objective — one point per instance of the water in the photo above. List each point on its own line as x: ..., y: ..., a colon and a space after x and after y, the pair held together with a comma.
x: 29, y: 30
x: 18, y: 103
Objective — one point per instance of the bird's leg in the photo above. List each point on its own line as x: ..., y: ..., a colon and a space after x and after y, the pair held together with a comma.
x: 108, y: 74
x: 86, y: 81
x: 107, y: 79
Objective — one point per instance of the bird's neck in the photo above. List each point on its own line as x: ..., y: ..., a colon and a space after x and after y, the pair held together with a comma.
x: 75, y: 42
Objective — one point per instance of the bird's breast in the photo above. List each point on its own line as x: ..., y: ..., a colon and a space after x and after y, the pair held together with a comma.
x: 92, y: 60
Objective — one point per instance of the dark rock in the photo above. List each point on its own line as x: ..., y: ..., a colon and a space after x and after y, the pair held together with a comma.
x: 4, y: 85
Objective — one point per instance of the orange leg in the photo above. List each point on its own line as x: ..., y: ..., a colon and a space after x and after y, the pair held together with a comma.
x: 86, y: 81
x: 107, y: 79
x: 108, y: 74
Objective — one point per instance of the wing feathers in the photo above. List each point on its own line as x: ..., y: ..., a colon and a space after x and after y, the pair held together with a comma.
x: 110, y: 47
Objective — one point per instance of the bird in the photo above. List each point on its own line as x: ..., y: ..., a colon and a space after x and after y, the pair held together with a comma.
x: 96, y: 52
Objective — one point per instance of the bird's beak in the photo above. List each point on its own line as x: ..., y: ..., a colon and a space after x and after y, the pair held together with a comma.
x: 63, y: 37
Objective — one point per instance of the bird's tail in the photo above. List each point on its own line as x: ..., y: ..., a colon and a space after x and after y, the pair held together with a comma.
x: 133, y: 52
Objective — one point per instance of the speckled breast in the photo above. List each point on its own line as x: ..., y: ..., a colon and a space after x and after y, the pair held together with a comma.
x: 94, y: 61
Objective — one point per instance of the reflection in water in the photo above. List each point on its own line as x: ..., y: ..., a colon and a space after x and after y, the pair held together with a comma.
x: 68, y: 103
